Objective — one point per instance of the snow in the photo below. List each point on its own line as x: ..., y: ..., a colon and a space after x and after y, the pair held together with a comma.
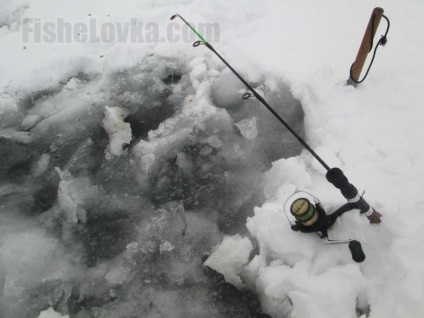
x: 50, y: 313
x: 229, y: 258
x: 192, y: 135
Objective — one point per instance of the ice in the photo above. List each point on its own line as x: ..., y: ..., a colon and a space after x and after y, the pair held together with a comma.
x: 225, y: 91
x: 51, y: 313
x: 206, y: 150
x: 117, y: 275
x: 248, y: 128
x: 2, y: 277
x: 148, y: 159
x: 230, y: 257
x: 118, y: 131
x: 166, y: 247
x: 30, y: 121
x: 112, y: 215
x: 22, y: 137
x: 28, y: 261
x: 214, y: 141
x: 11, y: 11
x: 70, y: 197
x: 41, y: 165
x: 184, y: 163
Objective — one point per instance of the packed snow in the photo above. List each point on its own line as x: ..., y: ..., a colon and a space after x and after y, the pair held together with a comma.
x: 136, y: 182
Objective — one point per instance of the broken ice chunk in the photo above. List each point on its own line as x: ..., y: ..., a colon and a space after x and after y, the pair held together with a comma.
x: 214, y: 141
x: 248, y: 128
x: 23, y: 137
x: 41, y: 166
x: 230, y: 257
x: 73, y: 84
x: 148, y: 159
x: 166, y: 247
x: 50, y: 313
x: 184, y: 162
x: 30, y: 121
x: 72, y: 194
x: 119, y: 132
x: 117, y: 275
x: 206, y: 150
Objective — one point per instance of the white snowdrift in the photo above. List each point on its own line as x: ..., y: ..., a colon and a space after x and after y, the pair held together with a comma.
x: 229, y: 258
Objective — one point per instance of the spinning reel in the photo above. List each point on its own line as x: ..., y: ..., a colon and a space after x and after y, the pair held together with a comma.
x: 307, y: 215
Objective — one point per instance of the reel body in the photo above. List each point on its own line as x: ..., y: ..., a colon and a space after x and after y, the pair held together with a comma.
x: 307, y: 215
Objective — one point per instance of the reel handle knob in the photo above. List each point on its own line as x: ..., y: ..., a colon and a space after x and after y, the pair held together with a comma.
x: 357, y: 252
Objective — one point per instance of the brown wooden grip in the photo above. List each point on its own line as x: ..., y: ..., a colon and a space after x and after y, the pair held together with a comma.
x: 364, y: 49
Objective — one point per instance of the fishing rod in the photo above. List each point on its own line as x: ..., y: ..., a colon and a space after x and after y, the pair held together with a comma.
x: 315, y: 220
x: 255, y: 93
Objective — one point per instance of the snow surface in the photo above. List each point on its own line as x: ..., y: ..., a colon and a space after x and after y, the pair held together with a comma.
x: 73, y: 221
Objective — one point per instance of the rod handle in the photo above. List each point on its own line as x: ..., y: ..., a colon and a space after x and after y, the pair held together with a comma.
x: 339, y: 180
x: 365, y: 47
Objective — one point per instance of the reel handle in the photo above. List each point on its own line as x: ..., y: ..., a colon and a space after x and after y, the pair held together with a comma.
x: 357, y: 252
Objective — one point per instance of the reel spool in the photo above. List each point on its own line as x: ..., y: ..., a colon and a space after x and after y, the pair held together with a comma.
x: 304, y: 212
x: 308, y: 217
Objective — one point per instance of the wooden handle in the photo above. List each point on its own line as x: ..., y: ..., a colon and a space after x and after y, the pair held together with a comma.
x: 364, y: 49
